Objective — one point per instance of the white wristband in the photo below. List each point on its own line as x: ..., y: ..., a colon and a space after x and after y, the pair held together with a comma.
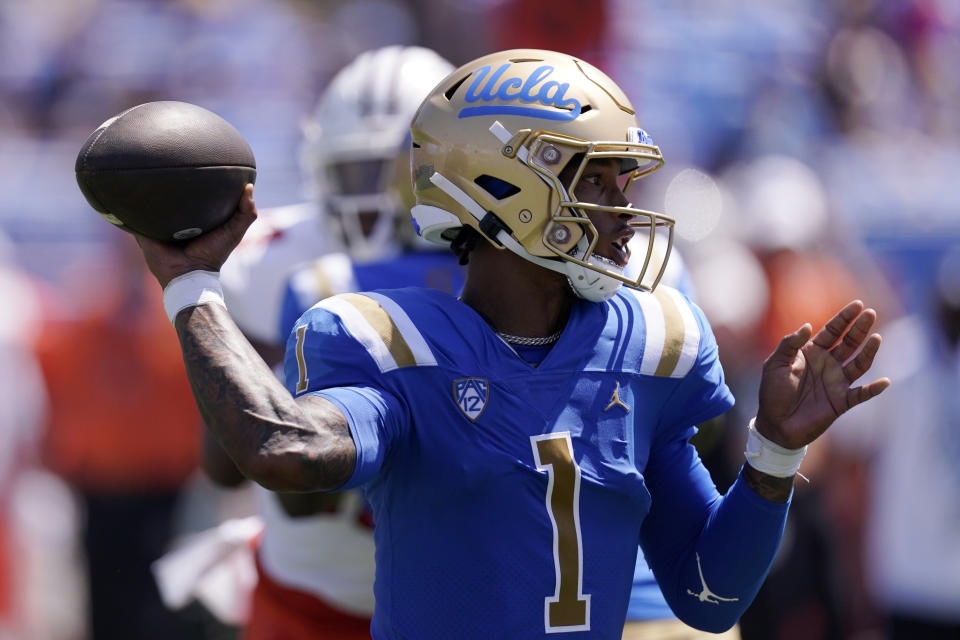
x: 191, y: 289
x: 769, y: 457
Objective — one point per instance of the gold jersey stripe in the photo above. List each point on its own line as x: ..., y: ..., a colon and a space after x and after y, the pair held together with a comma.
x: 691, y: 334
x: 303, y: 382
x: 673, y: 333
x: 384, y: 326
x: 415, y: 340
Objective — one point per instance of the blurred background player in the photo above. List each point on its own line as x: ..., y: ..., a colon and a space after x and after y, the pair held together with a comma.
x: 356, y: 155
x: 23, y: 410
x: 315, y: 556
x: 254, y: 276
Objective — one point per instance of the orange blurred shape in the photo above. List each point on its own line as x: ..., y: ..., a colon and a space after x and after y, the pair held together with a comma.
x: 122, y: 416
x: 804, y: 287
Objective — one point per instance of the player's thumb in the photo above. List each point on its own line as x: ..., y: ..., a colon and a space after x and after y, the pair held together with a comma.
x: 791, y: 343
x: 247, y: 206
x: 245, y: 214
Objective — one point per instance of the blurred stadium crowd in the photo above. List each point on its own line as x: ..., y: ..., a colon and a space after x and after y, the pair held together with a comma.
x: 810, y: 149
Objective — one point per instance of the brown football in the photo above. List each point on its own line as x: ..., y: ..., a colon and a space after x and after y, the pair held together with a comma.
x: 166, y: 170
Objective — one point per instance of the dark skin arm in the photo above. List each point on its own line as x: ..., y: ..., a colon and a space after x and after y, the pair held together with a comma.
x: 279, y: 442
x: 282, y: 443
x: 220, y: 468
x: 766, y: 486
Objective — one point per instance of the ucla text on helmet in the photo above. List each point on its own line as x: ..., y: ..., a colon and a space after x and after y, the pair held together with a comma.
x: 528, y: 90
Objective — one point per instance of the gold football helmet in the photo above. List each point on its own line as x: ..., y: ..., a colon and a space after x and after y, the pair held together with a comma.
x: 490, y: 142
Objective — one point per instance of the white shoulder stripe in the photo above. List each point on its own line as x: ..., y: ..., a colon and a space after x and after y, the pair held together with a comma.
x: 691, y: 335
x: 360, y: 329
x: 655, y: 331
x: 672, y: 340
x: 414, y: 339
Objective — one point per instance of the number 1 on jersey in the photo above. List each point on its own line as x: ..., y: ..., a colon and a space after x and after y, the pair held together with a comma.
x: 303, y: 381
x: 568, y: 609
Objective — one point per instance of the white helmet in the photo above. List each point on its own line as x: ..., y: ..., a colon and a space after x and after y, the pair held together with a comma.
x: 489, y: 144
x: 355, y: 149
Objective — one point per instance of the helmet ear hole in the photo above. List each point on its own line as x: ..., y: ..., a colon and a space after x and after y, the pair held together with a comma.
x: 448, y: 94
x: 496, y: 187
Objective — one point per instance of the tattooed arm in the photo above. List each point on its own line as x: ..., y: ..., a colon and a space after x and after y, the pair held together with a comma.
x: 282, y: 443
x: 770, y: 487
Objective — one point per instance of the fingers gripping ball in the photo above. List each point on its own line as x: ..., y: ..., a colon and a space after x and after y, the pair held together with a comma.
x: 166, y: 170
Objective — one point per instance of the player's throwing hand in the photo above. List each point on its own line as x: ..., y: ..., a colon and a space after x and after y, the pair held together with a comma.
x: 207, y: 252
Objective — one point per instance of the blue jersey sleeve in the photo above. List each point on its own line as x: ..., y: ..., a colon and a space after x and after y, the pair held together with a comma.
x: 709, y: 553
x: 323, y: 358
x: 374, y: 419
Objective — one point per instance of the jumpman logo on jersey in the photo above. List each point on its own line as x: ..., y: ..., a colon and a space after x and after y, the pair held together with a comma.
x: 615, y: 399
x: 706, y: 595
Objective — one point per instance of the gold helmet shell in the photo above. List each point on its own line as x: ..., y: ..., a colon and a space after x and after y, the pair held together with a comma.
x: 489, y: 143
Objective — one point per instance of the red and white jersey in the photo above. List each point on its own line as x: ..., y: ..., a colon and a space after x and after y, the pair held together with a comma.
x: 255, y: 274
x: 328, y: 555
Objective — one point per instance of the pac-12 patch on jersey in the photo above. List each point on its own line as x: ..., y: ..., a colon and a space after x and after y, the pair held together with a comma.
x: 471, y: 395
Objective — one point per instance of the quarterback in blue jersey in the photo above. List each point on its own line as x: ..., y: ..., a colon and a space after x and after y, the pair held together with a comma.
x: 517, y: 442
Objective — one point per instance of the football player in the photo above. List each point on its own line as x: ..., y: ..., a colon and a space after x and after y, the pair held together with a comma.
x: 516, y: 442
x: 356, y: 159
x: 315, y: 556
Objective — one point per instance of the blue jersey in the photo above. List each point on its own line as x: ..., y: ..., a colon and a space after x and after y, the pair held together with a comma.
x: 509, y: 499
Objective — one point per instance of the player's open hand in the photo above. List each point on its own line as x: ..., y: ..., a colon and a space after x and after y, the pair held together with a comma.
x: 207, y: 252
x: 806, y: 383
